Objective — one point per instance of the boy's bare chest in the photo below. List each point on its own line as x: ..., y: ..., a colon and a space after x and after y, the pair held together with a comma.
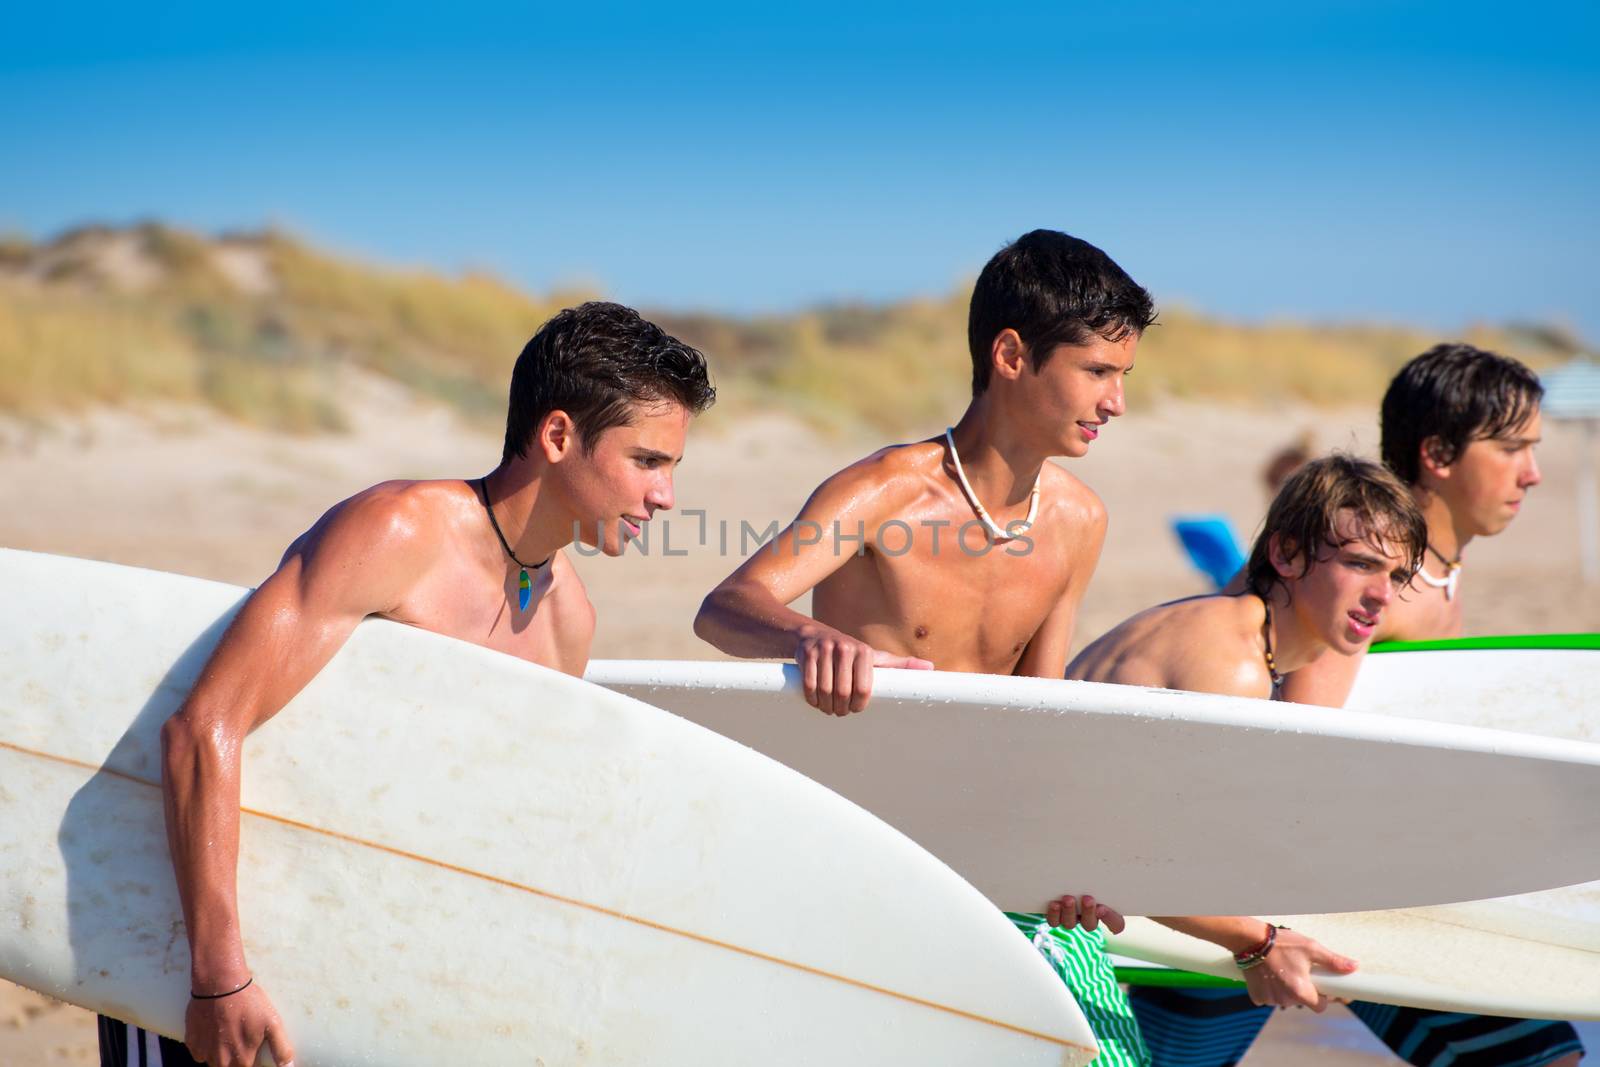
x: 961, y: 605
x: 465, y: 604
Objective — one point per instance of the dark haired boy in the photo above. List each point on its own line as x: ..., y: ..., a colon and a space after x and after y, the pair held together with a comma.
x: 968, y: 551
x: 1459, y: 426
x: 1340, y: 539
x: 600, y: 403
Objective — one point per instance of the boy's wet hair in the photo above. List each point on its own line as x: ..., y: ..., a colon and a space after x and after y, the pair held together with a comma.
x: 1305, y: 518
x: 1455, y: 394
x: 1053, y: 290
x: 598, y: 362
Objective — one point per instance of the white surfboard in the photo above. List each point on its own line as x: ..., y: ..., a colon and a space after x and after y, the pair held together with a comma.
x: 1547, y: 685
x: 1535, y: 955
x: 452, y: 856
x: 1148, y: 798
x: 1489, y: 957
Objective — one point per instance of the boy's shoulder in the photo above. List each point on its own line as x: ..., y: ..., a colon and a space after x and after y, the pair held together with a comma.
x: 409, y: 508
x: 891, y: 477
x: 1070, y: 498
x: 389, y: 520
x: 900, y: 460
x: 1219, y: 645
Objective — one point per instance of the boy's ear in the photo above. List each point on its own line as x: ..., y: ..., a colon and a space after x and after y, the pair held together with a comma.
x: 1435, y: 459
x: 1008, y: 354
x: 1282, y: 557
x: 558, y: 436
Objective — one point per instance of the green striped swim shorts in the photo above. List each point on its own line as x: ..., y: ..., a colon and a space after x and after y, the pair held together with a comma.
x: 1079, y: 957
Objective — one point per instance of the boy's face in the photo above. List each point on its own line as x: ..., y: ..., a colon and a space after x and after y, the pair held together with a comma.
x: 1079, y: 390
x: 1485, y: 485
x: 627, y: 477
x: 1343, y: 596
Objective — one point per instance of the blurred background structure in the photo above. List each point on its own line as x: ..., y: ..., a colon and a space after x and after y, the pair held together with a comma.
x: 1572, y: 394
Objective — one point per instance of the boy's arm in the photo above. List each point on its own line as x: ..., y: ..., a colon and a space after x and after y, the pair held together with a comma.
x: 1283, y: 977
x: 1046, y: 654
x: 287, y: 631
x: 748, y: 614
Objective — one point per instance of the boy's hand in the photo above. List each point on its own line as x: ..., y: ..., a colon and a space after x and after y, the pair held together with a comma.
x: 1067, y: 912
x: 836, y: 669
x: 232, y: 1031
x: 1283, y: 978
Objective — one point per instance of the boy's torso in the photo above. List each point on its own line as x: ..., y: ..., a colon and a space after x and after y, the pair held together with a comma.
x: 931, y: 584
x: 453, y: 585
x: 457, y: 602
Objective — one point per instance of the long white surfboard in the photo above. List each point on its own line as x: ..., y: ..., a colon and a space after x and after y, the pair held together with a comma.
x: 1033, y: 787
x: 1534, y: 955
x: 452, y: 856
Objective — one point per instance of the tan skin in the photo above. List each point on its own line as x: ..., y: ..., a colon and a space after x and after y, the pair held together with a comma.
x: 1476, y: 494
x: 421, y: 553
x: 916, y: 598
x: 1217, y: 644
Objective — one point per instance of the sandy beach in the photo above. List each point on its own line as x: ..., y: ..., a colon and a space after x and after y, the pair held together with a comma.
x: 188, y: 492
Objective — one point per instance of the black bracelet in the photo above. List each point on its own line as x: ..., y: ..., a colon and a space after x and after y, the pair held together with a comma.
x: 219, y: 996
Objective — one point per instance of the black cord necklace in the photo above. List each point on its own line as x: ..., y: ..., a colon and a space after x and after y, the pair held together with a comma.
x: 524, y: 583
x: 1451, y: 563
x: 1452, y: 573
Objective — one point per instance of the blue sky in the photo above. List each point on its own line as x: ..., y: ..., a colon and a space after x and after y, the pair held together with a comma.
x: 1429, y: 163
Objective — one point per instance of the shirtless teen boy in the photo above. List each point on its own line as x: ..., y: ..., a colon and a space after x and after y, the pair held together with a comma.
x: 600, y: 403
x: 968, y: 551
x: 1339, y: 541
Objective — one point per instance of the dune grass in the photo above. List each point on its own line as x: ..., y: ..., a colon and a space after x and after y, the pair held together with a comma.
x: 148, y: 313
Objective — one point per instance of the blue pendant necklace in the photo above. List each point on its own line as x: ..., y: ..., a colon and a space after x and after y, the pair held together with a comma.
x: 524, y: 583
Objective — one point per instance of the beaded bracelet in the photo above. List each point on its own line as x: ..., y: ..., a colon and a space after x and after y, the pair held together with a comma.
x: 1253, y: 958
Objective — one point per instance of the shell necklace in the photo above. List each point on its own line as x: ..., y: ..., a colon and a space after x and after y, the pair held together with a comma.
x: 1013, y: 529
